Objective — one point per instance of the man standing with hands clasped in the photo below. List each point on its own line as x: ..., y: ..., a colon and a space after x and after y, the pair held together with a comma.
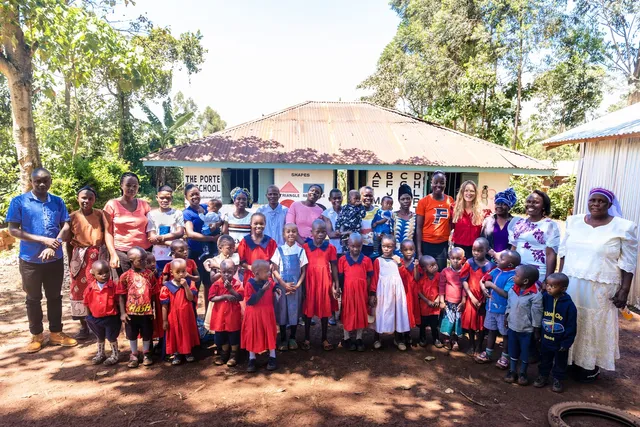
x: 41, y: 221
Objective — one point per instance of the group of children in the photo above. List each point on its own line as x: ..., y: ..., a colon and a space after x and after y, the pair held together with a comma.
x: 259, y: 288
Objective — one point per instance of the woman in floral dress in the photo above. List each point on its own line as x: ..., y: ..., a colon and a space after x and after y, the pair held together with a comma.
x: 404, y: 220
x: 537, y: 237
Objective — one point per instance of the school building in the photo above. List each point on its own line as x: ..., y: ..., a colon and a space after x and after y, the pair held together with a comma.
x: 357, y: 142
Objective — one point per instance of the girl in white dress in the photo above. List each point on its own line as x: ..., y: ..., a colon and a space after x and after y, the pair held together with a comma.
x: 388, y: 296
x: 598, y: 253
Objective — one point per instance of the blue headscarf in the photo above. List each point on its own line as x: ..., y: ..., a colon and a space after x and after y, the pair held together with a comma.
x: 508, y: 197
x: 237, y: 191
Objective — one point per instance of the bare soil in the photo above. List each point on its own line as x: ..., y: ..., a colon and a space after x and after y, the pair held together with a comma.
x: 60, y: 387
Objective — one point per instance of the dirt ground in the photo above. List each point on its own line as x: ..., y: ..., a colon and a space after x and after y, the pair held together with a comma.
x: 60, y: 387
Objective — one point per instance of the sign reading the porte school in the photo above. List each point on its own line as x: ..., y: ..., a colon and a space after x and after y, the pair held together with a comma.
x: 386, y: 183
x: 208, y: 180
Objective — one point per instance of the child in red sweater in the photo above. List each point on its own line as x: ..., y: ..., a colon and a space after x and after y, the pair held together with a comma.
x: 226, y: 313
x: 428, y: 294
x: 103, y: 318
x: 259, y: 329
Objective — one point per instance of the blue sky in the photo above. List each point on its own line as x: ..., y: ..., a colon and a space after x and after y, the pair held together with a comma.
x: 264, y: 56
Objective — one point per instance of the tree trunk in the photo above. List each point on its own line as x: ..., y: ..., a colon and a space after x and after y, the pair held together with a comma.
x: 121, y: 133
x: 16, y: 65
x: 514, y: 143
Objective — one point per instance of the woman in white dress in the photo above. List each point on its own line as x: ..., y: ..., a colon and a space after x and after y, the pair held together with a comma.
x: 598, y: 253
x: 390, y: 299
x: 537, y: 237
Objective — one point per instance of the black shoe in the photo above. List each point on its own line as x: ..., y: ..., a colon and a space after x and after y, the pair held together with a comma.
x: 523, y: 380
x: 349, y: 345
x: 541, y: 381
x: 511, y: 377
x: 557, y: 386
x: 271, y: 364
x: 251, y: 367
x: 359, y: 345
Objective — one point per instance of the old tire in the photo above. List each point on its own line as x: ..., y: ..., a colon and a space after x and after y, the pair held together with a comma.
x: 560, y: 410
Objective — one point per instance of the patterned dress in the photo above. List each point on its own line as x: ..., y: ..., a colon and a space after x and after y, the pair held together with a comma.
x: 532, y: 239
x: 404, y: 229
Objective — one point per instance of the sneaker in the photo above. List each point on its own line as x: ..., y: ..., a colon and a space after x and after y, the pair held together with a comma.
x: 523, y: 380
x: 332, y: 321
x: 293, y: 345
x: 36, y: 343
x: 377, y: 345
x: 502, y: 363
x: 438, y: 344
x: 251, y: 367
x: 541, y: 381
x: 482, y: 358
x: 557, y: 386
x: 271, y: 364
x: 98, y: 359
x: 511, y: 377
x: 351, y: 346
x: 233, y: 359
x: 147, y: 360
x: 401, y: 346
x: 62, y: 339
x: 422, y: 342
x: 177, y: 360
x: 360, y: 345
x: 111, y: 360
x: 190, y: 358
x: 133, y: 361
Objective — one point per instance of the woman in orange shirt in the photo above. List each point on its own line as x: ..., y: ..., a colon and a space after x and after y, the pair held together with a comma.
x: 433, y: 224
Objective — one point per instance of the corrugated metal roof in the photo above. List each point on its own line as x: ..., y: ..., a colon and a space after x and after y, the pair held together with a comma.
x: 624, y: 122
x: 346, y: 133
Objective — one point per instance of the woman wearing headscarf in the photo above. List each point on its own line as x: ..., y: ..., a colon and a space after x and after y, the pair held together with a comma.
x: 238, y: 223
x: 495, y: 227
x: 404, y: 220
x: 598, y: 253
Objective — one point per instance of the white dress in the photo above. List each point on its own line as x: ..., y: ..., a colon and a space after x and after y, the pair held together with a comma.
x: 532, y: 239
x: 593, y: 260
x: 391, y: 310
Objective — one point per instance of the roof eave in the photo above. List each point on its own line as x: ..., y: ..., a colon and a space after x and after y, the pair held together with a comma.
x: 554, y: 144
x: 308, y: 166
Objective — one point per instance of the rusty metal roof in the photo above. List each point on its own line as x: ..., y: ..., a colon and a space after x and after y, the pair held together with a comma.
x: 345, y: 133
x: 623, y: 123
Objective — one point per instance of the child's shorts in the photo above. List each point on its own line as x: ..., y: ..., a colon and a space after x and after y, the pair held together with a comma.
x: 139, y: 325
x: 495, y: 322
x: 451, y: 323
x: 105, y: 328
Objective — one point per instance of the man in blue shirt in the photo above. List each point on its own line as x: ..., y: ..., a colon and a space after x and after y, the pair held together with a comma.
x: 275, y: 215
x: 41, y: 221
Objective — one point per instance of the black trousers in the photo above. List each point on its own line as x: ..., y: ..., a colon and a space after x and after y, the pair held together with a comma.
x: 554, y: 362
x: 35, y: 277
x: 437, y: 250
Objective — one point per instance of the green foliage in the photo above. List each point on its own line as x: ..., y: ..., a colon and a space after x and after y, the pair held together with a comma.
x: 523, y: 185
x: 562, y: 198
x: 101, y: 173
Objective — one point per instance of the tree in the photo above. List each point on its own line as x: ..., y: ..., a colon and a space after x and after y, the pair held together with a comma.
x: 164, y: 131
x: 621, y: 19
x: 210, y: 122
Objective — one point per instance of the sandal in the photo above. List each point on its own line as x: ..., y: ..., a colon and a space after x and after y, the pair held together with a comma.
x: 482, y: 358
x: 306, y: 345
x: 133, y: 361
x: 293, y: 345
x: 326, y: 346
x: 177, y: 360
x: 455, y: 347
x: 283, y: 346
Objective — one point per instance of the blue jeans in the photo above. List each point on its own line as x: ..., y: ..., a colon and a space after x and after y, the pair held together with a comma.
x: 519, y: 343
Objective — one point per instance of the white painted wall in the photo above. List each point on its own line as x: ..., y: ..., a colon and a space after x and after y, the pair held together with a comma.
x: 495, y: 182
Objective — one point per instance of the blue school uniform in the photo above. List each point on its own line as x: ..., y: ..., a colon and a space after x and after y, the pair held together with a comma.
x: 288, y: 308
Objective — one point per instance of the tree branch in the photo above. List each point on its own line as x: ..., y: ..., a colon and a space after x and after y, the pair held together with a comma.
x: 6, y: 67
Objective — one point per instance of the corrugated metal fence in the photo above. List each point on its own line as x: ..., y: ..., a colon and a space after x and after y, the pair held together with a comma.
x: 613, y: 164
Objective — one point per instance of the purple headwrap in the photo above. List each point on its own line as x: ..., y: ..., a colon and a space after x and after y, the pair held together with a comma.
x: 615, y: 209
